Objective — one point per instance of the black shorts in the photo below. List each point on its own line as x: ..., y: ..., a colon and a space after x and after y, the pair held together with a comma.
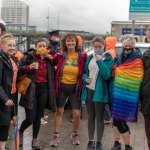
x: 68, y: 92
x: 4, y: 133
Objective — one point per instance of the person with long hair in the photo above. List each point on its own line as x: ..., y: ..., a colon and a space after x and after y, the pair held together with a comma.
x: 8, y: 90
x: 95, y: 91
x: 68, y: 84
x: 37, y: 66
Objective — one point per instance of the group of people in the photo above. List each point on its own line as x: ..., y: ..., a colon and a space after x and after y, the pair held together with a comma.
x: 69, y: 74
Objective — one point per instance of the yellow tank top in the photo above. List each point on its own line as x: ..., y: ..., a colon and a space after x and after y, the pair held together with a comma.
x: 70, y: 71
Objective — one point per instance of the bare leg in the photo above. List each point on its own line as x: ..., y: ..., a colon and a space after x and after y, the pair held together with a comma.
x: 58, y: 119
x: 76, y: 119
x: 2, y: 145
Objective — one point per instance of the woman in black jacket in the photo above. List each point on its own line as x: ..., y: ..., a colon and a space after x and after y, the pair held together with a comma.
x: 37, y: 66
x: 8, y: 78
x: 145, y: 94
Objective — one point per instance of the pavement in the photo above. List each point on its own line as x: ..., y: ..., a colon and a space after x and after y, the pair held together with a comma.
x: 139, y: 141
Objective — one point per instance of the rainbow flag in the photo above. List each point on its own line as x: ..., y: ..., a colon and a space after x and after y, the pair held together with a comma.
x: 16, y: 132
x: 127, y: 83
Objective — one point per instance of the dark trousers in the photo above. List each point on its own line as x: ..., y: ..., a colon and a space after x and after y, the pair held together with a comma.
x: 95, y: 114
x: 34, y: 116
x: 147, y: 128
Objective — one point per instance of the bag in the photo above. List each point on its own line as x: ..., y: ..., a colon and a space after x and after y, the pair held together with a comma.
x: 23, y: 84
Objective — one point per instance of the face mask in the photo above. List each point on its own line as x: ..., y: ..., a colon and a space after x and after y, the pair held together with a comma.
x: 98, y: 52
x: 56, y: 40
x: 41, y: 51
x: 128, y: 51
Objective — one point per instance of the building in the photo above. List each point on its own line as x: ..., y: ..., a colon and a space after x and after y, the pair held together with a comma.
x: 15, y: 13
x: 120, y: 28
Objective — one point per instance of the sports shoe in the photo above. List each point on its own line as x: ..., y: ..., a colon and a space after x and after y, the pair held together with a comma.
x: 99, y: 146
x: 45, y: 117
x: 43, y: 121
x: 91, y: 145
x: 54, y: 141
x: 128, y: 147
x: 117, y: 146
x: 20, y: 139
x: 75, y: 139
x: 107, y: 121
x: 36, y: 144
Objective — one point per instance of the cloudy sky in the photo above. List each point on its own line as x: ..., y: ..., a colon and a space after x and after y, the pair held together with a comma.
x: 86, y: 15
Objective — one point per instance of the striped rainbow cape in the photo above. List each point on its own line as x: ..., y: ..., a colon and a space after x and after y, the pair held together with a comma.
x: 127, y: 83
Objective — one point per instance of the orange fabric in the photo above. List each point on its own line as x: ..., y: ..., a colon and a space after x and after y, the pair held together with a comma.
x: 110, y: 45
x: 18, y: 55
x: 80, y: 40
x: 15, y: 70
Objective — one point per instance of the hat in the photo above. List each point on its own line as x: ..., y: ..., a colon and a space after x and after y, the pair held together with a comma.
x: 2, y: 26
x: 53, y: 32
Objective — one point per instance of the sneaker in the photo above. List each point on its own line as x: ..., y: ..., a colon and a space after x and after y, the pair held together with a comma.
x: 45, y: 117
x: 99, y: 146
x: 43, y: 121
x: 54, y: 142
x: 36, y: 144
x: 6, y: 148
x: 71, y: 120
x: 107, y: 121
x: 91, y: 145
x: 75, y: 139
x: 117, y: 146
x: 20, y: 139
x: 128, y: 147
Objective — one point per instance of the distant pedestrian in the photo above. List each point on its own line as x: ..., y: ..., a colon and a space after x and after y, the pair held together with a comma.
x: 8, y: 90
x: 36, y: 64
x: 95, y: 92
x: 54, y: 42
x: 2, y: 31
x: 145, y: 94
x: 68, y: 84
x: 128, y: 73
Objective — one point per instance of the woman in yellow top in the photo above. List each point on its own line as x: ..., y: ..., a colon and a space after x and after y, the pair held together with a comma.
x: 68, y: 83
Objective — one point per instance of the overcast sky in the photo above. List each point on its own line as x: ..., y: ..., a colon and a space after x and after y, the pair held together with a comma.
x: 86, y: 15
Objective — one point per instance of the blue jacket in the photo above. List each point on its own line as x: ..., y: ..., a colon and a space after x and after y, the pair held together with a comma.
x: 101, y: 88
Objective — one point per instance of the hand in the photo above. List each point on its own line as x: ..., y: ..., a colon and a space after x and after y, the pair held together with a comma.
x: 33, y: 66
x: 9, y: 103
x: 98, y: 57
x: 88, y: 80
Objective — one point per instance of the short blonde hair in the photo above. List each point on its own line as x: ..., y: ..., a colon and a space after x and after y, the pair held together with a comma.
x: 129, y: 37
x: 5, y: 37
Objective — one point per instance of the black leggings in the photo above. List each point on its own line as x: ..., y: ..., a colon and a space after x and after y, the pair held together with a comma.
x: 4, y: 133
x: 34, y: 116
x: 121, y: 125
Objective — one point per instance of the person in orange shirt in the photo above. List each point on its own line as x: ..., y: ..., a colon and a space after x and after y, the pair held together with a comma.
x: 110, y: 45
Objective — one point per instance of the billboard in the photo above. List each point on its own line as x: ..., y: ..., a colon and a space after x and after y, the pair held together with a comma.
x: 137, y: 31
x: 139, y: 10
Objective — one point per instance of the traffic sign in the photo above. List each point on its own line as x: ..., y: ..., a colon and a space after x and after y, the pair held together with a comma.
x: 139, y: 10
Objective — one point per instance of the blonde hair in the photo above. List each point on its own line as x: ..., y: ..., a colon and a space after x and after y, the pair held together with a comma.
x: 5, y: 37
x: 129, y: 37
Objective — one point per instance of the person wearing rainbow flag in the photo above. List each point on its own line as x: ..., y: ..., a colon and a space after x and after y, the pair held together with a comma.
x: 128, y: 76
